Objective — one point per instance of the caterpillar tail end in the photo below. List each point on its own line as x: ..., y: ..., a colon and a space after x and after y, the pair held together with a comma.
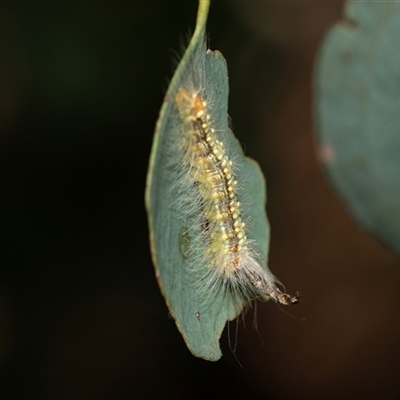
x: 284, y: 298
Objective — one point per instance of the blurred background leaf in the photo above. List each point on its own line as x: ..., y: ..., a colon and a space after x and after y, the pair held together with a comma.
x: 358, y: 114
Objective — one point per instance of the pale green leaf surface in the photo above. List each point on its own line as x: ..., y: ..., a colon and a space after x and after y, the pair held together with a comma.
x: 358, y: 114
x: 200, y: 322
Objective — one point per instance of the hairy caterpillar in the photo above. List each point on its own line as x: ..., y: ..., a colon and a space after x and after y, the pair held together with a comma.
x: 230, y: 256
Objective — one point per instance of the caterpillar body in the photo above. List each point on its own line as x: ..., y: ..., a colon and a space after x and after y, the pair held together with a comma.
x: 232, y: 262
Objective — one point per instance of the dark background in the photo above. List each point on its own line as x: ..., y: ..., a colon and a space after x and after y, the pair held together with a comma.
x: 81, y: 316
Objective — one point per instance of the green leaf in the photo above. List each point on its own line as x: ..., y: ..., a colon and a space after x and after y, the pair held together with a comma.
x: 358, y: 114
x: 200, y: 320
